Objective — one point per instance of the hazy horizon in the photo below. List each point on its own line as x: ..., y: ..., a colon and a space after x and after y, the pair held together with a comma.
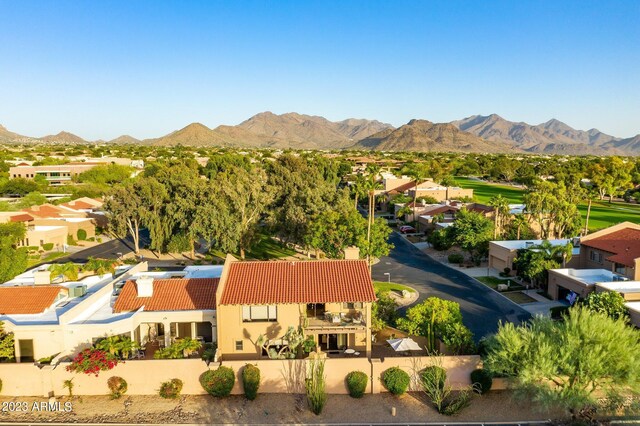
x: 104, y: 69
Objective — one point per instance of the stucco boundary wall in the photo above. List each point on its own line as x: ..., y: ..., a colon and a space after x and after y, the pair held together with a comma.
x: 277, y: 376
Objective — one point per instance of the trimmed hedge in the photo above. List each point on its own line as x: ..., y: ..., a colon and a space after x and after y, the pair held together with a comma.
x: 396, y: 380
x: 118, y: 386
x: 0, y: 385
x: 218, y: 382
x: 357, y: 383
x: 171, y: 389
x: 47, y: 246
x: 482, y: 380
x: 81, y: 234
x: 456, y: 258
x: 251, y: 381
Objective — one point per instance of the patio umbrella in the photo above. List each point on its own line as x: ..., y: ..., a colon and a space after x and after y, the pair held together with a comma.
x: 405, y: 344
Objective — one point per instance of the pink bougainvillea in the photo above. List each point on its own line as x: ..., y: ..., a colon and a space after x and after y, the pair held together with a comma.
x: 92, y: 361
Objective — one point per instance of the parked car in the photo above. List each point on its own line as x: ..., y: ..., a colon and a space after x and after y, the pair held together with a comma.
x: 406, y: 229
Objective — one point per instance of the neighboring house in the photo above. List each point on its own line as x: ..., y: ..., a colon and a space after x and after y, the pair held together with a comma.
x: 615, y: 249
x: 80, y: 216
x: 49, y: 317
x: 55, y: 175
x: 330, y: 299
x: 502, y: 253
x: 565, y: 281
x: 38, y: 234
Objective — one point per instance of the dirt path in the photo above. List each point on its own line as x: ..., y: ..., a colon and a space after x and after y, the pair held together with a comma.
x: 274, y: 409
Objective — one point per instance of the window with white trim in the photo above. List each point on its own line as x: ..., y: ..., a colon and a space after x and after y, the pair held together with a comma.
x: 351, y: 305
x: 259, y: 313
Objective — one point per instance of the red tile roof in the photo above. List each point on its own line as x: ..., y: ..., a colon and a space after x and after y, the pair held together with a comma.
x: 624, y: 244
x: 75, y: 205
x: 21, y: 218
x: 45, y: 210
x: 321, y: 281
x: 28, y: 299
x: 175, y: 294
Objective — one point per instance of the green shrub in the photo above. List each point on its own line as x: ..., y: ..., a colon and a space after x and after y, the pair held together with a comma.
x: 171, y: 389
x: 71, y: 241
x: 251, y: 381
x: 81, y: 234
x: 395, y: 380
x: 47, y: 246
x: 456, y: 258
x: 481, y: 380
x: 32, y: 249
x: 179, y: 243
x: 218, y: 382
x: 209, y: 352
x: 99, y: 239
x: 0, y: 385
x: 357, y: 383
x: 462, y: 400
x: 118, y: 386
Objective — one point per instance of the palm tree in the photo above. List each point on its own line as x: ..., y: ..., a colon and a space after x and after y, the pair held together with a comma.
x: 188, y: 346
x: 358, y: 189
x: 519, y: 221
x: 371, y: 185
x: 110, y: 344
x: 68, y: 271
x: 418, y: 172
x: 100, y: 266
x: 500, y: 211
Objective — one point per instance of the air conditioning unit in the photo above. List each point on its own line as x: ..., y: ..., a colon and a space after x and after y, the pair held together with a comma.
x: 78, y: 291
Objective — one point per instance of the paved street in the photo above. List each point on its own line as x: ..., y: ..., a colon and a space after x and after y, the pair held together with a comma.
x: 481, y: 307
x: 108, y: 250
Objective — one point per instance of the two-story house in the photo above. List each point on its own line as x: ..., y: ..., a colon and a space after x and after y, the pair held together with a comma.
x: 258, y: 301
x: 616, y: 249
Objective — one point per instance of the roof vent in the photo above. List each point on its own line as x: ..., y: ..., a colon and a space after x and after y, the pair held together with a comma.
x: 145, y: 286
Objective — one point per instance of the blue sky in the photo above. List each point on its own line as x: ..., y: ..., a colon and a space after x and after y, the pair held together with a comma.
x: 145, y: 68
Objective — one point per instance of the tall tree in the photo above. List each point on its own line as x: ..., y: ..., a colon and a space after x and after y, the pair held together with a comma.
x: 12, y: 258
x: 500, y: 213
x: 241, y: 198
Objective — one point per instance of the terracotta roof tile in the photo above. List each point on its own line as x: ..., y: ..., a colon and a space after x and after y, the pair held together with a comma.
x: 45, y: 210
x: 623, y: 244
x: 175, y: 294
x: 321, y: 281
x: 21, y: 218
x: 78, y: 205
x: 28, y: 299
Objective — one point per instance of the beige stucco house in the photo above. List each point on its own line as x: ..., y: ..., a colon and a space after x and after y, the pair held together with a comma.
x: 330, y: 299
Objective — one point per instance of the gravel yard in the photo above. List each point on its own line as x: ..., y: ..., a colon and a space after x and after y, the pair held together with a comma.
x: 274, y: 409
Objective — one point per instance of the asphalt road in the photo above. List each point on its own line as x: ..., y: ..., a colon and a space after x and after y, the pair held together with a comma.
x: 481, y: 307
x: 108, y: 250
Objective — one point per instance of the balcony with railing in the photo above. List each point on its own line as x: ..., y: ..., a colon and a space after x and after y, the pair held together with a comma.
x: 353, y: 320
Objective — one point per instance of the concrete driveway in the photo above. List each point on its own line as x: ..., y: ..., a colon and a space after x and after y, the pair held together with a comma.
x: 481, y: 307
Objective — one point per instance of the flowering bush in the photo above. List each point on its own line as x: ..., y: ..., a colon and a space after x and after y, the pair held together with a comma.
x: 92, y: 361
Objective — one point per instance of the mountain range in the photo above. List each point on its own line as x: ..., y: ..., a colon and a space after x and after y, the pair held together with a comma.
x: 477, y: 133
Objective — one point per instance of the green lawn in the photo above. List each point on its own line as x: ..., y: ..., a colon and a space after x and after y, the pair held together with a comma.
x: 493, y: 282
x: 603, y: 213
x: 385, y: 286
x: 483, y: 191
x: 519, y: 297
x: 267, y: 248
x: 47, y: 258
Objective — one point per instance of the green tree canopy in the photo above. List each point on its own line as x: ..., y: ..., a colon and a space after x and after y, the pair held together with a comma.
x: 610, y: 303
x: 568, y: 363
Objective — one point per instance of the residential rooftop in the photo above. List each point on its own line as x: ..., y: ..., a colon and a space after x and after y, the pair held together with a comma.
x: 311, y: 281
x: 523, y: 244
x: 623, y: 287
x: 624, y: 244
x: 590, y: 276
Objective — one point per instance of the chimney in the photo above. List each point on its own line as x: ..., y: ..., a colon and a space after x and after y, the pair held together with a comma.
x: 42, y: 277
x: 145, y: 286
x: 351, y: 253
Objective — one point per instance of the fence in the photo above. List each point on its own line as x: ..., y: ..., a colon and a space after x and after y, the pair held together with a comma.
x: 277, y: 376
